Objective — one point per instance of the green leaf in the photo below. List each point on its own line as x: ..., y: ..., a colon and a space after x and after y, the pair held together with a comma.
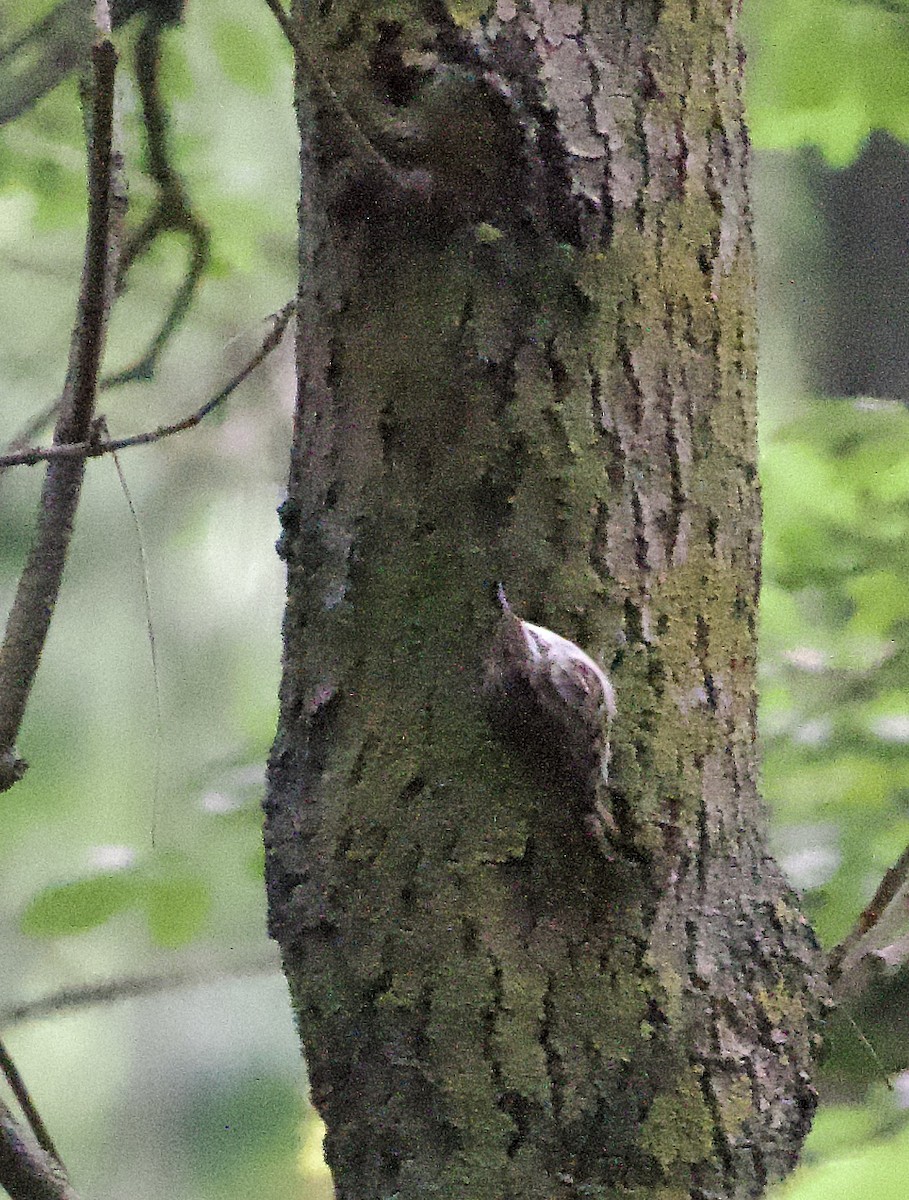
x: 245, y: 58
x: 74, y: 907
x: 881, y: 601
x: 176, y: 908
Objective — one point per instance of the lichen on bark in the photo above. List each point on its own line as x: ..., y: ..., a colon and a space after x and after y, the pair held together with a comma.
x: 526, y: 356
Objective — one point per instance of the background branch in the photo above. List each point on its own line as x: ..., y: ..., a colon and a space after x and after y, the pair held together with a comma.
x: 94, y: 446
x: 28, y: 1172
x: 133, y: 986
x: 19, y: 1089
x: 172, y: 211
x: 844, y: 956
x: 39, y: 583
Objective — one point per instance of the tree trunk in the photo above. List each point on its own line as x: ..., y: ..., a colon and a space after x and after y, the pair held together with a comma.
x: 526, y: 357
x: 858, y: 291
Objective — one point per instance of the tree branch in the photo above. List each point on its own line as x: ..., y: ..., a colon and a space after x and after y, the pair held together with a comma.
x: 19, y: 1089
x: 844, y: 956
x: 30, y: 431
x: 28, y: 1172
x: 133, y: 986
x: 172, y: 211
x: 39, y: 584
x: 94, y: 447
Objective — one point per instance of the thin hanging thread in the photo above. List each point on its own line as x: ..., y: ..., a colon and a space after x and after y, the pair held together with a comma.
x: 149, y: 625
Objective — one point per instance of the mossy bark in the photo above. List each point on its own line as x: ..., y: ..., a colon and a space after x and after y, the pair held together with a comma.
x: 526, y: 356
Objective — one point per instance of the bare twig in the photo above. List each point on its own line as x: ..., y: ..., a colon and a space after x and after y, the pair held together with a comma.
x: 172, y: 212
x: 39, y: 584
x: 94, y: 446
x: 28, y: 1172
x: 135, y: 986
x: 36, y: 32
x: 31, y: 429
x: 890, y: 887
x: 39, y: 58
x: 23, y: 1099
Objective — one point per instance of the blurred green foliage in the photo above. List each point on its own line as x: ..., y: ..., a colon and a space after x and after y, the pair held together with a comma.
x: 852, y: 1152
x: 826, y: 73
x: 835, y: 729
x: 198, y: 1094
x: 835, y: 646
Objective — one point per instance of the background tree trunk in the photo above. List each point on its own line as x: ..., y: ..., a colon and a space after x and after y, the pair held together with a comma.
x: 858, y: 289
x: 526, y: 356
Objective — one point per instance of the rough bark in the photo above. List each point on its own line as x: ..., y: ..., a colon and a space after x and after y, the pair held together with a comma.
x: 526, y: 356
